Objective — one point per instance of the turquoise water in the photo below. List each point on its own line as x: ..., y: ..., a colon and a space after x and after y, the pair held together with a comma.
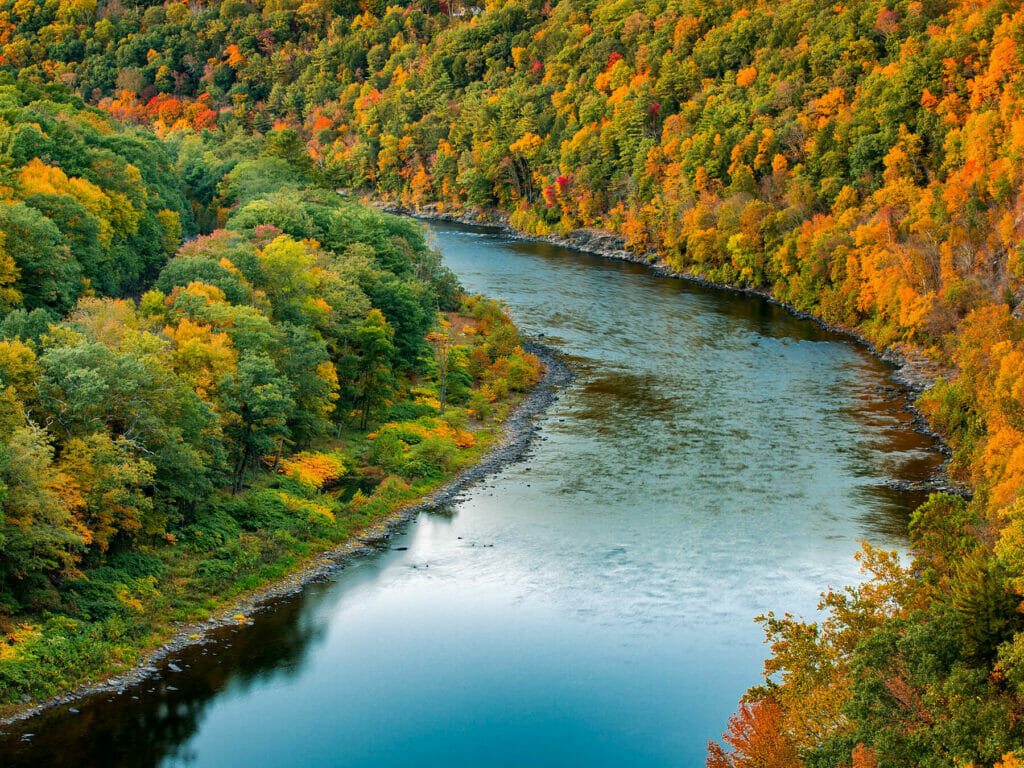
x: 715, y: 459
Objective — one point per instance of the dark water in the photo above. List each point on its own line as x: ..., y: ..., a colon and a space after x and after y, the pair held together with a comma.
x: 592, y: 605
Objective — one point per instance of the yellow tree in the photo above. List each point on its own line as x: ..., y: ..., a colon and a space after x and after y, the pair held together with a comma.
x: 107, y: 488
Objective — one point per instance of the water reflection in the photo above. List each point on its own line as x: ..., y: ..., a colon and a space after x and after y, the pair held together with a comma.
x: 154, y: 719
x: 717, y: 458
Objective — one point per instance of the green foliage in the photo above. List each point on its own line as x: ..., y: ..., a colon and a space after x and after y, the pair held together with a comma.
x: 918, y: 705
x: 409, y: 411
x: 430, y: 458
x: 859, y: 160
x: 51, y: 278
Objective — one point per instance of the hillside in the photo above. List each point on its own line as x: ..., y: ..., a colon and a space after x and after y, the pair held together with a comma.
x: 182, y: 422
x: 863, y: 162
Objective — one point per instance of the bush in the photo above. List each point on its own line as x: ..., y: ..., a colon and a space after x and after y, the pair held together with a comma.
x: 456, y: 419
x: 48, y: 656
x: 408, y: 411
x: 430, y: 459
x: 386, y: 451
x: 480, y: 405
x: 460, y: 380
x: 212, y: 529
x: 262, y: 509
x: 138, y: 565
x: 97, y: 597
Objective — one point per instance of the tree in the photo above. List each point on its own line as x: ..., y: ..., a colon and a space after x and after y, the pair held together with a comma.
x: 10, y: 296
x: 441, y: 341
x: 50, y: 278
x: 290, y: 279
x: 372, y: 351
x: 304, y: 362
x: 109, y: 488
x: 39, y: 536
x: 757, y: 739
x: 260, y: 401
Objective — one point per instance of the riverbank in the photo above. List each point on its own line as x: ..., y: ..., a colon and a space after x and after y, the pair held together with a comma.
x: 912, y: 372
x: 516, y: 433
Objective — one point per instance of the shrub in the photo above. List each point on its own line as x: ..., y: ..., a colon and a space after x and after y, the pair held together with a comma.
x: 386, y: 451
x: 480, y: 405
x: 430, y: 459
x: 408, y: 411
x: 212, y: 529
x: 262, y: 509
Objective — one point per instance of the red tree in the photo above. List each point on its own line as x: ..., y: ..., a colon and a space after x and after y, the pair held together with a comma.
x: 757, y: 739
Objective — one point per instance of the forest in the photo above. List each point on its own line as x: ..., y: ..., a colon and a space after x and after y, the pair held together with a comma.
x: 863, y: 162
x: 185, y: 416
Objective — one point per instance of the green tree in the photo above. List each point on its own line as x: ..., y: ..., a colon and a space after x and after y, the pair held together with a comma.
x: 260, y: 399
x: 371, y: 352
x: 39, y: 536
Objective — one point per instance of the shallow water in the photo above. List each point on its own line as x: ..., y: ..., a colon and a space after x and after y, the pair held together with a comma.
x: 715, y: 459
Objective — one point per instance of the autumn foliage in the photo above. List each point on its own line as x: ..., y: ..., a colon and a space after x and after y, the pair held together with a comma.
x: 755, y: 738
x: 863, y: 162
x: 313, y: 468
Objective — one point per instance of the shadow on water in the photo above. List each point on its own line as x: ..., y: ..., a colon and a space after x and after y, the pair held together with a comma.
x: 886, y: 511
x: 150, y: 721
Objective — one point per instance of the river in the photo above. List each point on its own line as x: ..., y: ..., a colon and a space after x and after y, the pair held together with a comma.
x: 593, y: 604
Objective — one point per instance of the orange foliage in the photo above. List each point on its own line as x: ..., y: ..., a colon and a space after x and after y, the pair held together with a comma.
x: 746, y: 76
x: 756, y: 738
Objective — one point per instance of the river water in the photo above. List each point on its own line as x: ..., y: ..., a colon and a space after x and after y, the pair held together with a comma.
x: 593, y: 604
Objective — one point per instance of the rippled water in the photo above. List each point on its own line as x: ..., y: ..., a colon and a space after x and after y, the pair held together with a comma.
x: 592, y: 605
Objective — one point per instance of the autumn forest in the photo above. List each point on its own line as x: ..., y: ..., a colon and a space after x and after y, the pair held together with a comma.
x: 202, y: 340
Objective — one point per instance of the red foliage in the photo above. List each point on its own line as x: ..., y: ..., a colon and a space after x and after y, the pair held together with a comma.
x: 757, y: 738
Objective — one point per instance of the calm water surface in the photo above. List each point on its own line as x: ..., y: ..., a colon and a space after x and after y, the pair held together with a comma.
x: 592, y: 605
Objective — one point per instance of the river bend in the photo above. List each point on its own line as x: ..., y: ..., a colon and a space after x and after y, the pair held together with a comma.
x: 593, y: 604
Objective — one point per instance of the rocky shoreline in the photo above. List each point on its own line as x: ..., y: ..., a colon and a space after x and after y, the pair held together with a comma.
x: 912, y: 373
x: 517, y: 433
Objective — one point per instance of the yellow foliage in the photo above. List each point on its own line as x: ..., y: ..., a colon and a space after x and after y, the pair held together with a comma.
x: 11, y: 641
x: 37, y: 178
x: 314, y: 469
x: 527, y: 144
x: 312, y: 510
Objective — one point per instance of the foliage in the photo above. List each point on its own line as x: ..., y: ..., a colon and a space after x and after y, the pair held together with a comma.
x: 862, y: 162
x: 164, y: 449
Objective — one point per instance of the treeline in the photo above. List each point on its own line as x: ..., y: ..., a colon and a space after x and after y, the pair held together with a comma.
x: 862, y: 161
x: 88, y: 207
x: 179, y: 422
